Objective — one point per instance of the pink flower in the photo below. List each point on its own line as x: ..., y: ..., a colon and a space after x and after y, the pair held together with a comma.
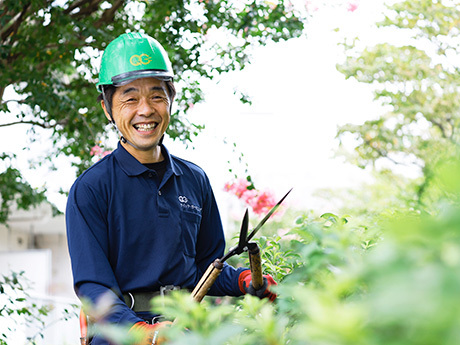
x: 260, y: 201
x: 352, y: 5
x: 95, y: 150
x: 238, y: 187
x: 311, y: 6
x: 263, y: 203
x: 248, y: 196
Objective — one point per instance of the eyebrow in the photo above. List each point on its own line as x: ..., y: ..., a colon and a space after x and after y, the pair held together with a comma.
x: 133, y: 89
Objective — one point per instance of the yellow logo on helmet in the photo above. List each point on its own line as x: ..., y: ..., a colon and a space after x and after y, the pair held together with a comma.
x: 142, y: 59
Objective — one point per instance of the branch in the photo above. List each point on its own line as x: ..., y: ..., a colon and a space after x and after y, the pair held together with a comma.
x: 19, y: 101
x: 34, y: 123
x: 74, y: 6
x: 441, y: 128
x: 380, y: 152
x: 15, y: 26
x: 91, y: 8
x: 108, y: 14
x: 88, y: 126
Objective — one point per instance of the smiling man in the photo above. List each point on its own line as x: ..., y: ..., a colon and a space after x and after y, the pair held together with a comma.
x: 141, y: 222
x: 142, y: 116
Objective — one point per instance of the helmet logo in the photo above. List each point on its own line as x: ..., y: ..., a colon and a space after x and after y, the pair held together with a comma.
x: 142, y: 59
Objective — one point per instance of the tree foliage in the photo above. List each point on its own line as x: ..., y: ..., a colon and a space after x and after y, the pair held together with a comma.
x: 13, y: 187
x: 416, y: 77
x: 49, y: 52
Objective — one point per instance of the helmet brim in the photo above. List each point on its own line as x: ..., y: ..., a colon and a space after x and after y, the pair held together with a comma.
x: 126, y: 78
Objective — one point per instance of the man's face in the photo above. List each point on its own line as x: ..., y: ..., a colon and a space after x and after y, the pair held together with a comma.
x: 141, y: 112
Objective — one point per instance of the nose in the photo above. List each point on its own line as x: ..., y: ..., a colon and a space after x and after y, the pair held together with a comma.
x: 145, y: 108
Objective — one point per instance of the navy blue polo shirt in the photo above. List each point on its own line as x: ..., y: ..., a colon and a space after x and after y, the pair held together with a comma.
x: 127, y: 231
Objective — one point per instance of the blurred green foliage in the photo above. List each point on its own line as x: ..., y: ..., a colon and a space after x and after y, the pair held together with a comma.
x: 415, y: 76
x: 14, y: 188
x: 345, y: 280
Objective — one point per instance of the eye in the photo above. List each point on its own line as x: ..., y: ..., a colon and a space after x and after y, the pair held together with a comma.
x: 158, y: 98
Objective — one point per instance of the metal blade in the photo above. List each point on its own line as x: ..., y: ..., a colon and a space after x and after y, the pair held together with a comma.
x: 243, y: 239
x: 262, y: 222
x: 244, y: 231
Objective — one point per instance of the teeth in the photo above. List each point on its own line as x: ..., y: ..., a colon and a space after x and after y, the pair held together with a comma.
x: 145, y: 127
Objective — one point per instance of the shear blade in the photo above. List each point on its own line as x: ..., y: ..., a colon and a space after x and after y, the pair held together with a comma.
x: 268, y: 215
x: 244, y: 232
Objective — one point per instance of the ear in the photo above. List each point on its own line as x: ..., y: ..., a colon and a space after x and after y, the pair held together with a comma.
x: 107, y: 115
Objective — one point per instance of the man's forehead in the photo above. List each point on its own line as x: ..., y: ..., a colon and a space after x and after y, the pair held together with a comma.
x: 141, y: 84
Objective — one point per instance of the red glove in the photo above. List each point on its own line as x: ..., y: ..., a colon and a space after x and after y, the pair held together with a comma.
x: 150, y: 333
x: 245, y: 284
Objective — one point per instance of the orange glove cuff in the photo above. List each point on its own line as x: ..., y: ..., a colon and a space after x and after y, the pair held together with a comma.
x: 244, y: 279
x: 245, y: 285
x: 148, y: 332
x: 145, y: 332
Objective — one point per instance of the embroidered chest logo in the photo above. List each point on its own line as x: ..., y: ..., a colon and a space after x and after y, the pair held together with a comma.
x: 184, y: 203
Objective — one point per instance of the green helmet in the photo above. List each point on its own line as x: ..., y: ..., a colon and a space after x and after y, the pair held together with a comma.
x: 132, y: 56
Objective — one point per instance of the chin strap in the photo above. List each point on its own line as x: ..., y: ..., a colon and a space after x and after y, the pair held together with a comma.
x: 109, y: 109
x: 122, y: 138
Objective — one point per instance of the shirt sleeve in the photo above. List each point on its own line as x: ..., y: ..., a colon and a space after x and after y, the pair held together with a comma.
x: 211, y: 245
x: 87, y: 237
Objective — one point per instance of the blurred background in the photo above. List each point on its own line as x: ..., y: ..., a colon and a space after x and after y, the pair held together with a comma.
x: 310, y: 95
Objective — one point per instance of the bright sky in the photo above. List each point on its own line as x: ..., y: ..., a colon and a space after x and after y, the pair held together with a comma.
x: 299, y: 99
x: 287, y: 135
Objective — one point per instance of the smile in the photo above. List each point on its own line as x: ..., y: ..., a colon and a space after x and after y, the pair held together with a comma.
x: 144, y: 127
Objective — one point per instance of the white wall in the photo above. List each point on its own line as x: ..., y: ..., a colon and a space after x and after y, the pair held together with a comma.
x: 35, y: 242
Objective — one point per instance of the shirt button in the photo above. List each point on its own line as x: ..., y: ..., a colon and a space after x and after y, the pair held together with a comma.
x: 159, y: 192
x: 150, y: 175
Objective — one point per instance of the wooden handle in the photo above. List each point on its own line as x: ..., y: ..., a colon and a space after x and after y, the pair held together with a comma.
x: 207, y: 280
x: 256, y: 266
x: 83, y: 328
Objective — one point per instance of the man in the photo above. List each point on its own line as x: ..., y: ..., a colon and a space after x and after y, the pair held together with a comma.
x: 141, y: 221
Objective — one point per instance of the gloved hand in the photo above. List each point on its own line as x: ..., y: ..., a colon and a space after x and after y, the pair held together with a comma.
x: 245, y: 284
x: 151, y: 333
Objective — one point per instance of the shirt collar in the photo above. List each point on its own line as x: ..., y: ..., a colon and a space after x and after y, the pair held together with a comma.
x: 132, y: 167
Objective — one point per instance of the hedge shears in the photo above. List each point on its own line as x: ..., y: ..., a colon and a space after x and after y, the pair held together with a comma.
x: 215, y: 268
